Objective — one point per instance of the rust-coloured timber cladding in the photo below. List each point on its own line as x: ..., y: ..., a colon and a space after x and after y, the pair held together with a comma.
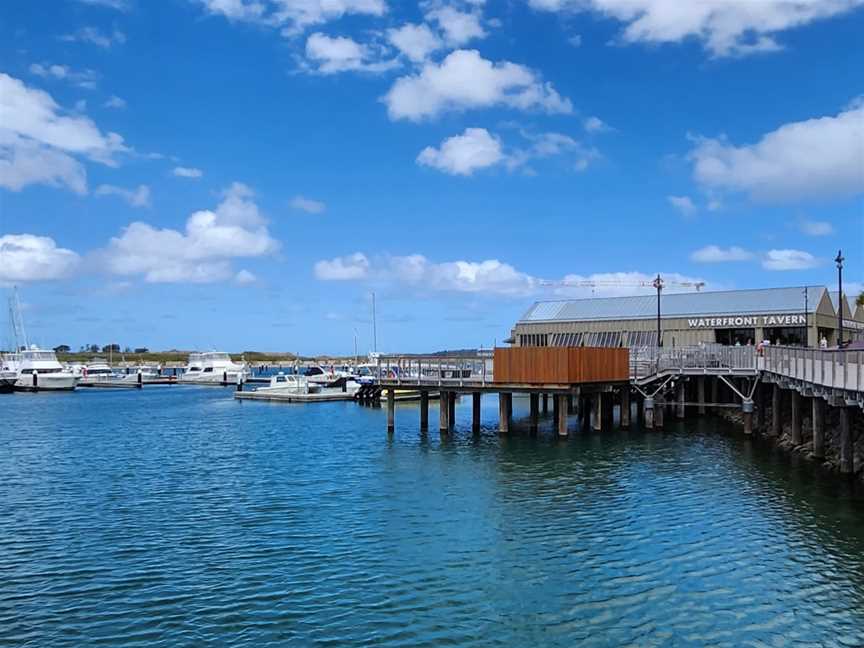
x: 561, y: 365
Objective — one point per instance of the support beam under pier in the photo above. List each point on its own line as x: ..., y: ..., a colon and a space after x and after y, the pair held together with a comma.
x: 775, y: 411
x: 797, y: 437
x: 680, y: 410
x: 847, y: 457
x: 625, y: 407
x: 505, y: 404
x: 475, y: 412
x: 424, y: 411
x: 561, y: 402
x: 534, y: 400
x: 700, y: 389
x: 443, y: 412
x: 818, y: 428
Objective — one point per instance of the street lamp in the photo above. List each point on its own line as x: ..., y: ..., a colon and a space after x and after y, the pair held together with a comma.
x: 839, y: 261
x: 658, y: 284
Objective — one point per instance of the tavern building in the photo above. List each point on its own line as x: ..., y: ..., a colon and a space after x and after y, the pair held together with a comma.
x: 780, y: 315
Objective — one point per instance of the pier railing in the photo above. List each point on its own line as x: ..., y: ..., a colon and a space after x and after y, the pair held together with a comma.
x: 441, y: 370
x: 834, y: 368
x: 646, y: 362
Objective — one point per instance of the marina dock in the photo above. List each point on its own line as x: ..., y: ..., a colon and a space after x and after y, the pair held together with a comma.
x: 286, y: 396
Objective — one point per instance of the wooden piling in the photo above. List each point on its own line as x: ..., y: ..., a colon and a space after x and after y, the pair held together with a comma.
x: 504, y: 405
x: 597, y: 408
x: 648, y: 413
x: 534, y: 400
x: 475, y: 412
x: 797, y: 437
x: 818, y: 428
x: 625, y: 407
x: 443, y: 412
x: 680, y: 410
x: 451, y: 415
x: 659, y: 407
x: 847, y: 457
x: 424, y: 411
x: 562, y: 414
x: 775, y: 411
x: 391, y: 410
x: 700, y: 394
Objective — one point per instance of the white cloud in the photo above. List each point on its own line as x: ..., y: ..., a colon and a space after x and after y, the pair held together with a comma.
x: 84, y: 78
x: 789, y: 260
x: 25, y: 257
x: 416, y: 42
x: 816, y: 228
x: 347, y: 268
x: 463, y: 154
x: 115, y: 102
x: 575, y: 40
x: 199, y: 254
x: 308, y: 205
x: 24, y: 162
x: 477, y: 148
x: 341, y: 54
x: 33, y: 114
x: 459, y: 27
x: 822, y: 157
x: 119, y: 5
x: 244, y: 277
x: 94, y: 36
x: 595, y: 125
x: 618, y: 284
x: 726, y: 27
x: 293, y: 16
x: 489, y: 277
x: 716, y: 254
x: 466, y: 80
x: 187, y: 172
x: 138, y: 197
x: 683, y: 204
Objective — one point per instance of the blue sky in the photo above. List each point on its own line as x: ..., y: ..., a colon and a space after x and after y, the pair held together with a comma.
x: 242, y: 174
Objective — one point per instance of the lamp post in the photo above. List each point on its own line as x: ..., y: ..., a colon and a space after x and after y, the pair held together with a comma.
x: 658, y: 284
x: 839, y: 261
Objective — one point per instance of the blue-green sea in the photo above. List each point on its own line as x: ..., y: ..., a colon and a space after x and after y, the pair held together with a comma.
x: 177, y: 516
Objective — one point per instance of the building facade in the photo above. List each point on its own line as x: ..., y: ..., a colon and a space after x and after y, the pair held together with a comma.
x: 780, y: 315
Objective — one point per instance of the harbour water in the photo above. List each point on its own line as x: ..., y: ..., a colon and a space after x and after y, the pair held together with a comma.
x: 177, y: 516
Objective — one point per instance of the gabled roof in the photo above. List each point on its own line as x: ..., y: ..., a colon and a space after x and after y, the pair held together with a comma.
x: 695, y: 304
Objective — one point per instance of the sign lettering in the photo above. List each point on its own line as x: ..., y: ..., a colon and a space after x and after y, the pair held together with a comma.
x: 747, y: 321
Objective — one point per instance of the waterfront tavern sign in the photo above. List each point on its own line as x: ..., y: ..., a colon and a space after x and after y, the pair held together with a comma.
x: 752, y: 320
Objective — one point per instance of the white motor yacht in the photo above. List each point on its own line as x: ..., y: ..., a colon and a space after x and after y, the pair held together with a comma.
x: 97, y: 371
x: 212, y: 367
x: 39, y: 370
x: 331, y: 377
x: 290, y: 383
x: 8, y: 374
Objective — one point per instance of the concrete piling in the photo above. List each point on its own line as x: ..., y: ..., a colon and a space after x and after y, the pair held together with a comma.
x: 561, y: 400
x: 443, y: 412
x: 648, y: 410
x: 680, y: 407
x: 475, y: 412
x: 505, y: 404
x: 797, y: 437
x: 391, y: 410
x: 625, y: 407
x: 659, y: 407
x: 700, y: 393
x: 847, y: 458
x: 451, y: 414
x: 775, y: 411
x: 747, y: 415
x: 534, y: 400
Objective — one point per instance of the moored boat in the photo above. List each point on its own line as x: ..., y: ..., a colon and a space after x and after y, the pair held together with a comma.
x: 212, y: 368
x: 39, y: 370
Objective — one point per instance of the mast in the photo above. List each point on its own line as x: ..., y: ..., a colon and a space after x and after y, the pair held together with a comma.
x: 374, y: 326
x: 17, y: 321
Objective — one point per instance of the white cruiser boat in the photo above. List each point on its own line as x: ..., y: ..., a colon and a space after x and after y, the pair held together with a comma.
x: 97, y: 371
x: 332, y: 377
x: 8, y: 377
x: 212, y: 367
x: 39, y: 370
x: 290, y: 384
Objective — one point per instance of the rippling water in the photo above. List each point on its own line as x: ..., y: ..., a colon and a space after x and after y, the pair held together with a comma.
x: 178, y: 517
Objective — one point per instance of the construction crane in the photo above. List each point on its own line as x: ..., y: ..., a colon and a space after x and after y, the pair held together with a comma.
x: 658, y: 284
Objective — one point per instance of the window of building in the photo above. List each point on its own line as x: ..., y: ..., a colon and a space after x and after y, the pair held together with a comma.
x: 731, y: 337
x: 787, y: 335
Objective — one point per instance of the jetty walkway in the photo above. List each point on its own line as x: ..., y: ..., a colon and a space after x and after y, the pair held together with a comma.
x: 592, y: 382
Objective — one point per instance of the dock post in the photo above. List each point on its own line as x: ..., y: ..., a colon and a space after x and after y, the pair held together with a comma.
x: 640, y: 411
x: 545, y: 404
x: 444, y: 412
x: 649, y: 413
x: 625, y: 407
x: 847, y: 457
x: 747, y: 415
x: 775, y: 411
x: 534, y: 409
x: 239, y: 381
x: 562, y: 414
x: 570, y: 405
x: 424, y: 411
x: 681, y: 410
x: 700, y: 394
x: 555, y: 408
x: 659, y: 407
x: 451, y: 403
x: 597, y: 406
x: 760, y: 408
x: 797, y: 437
x: 715, y: 391
x: 475, y: 412
x: 504, y: 404
x: 818, y: 428
x: 510, y: 407
x: 607, y: 419
x: 391, y: 409
x: 139, y: 381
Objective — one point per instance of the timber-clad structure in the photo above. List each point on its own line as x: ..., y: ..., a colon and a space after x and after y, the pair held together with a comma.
x: 784, y: 316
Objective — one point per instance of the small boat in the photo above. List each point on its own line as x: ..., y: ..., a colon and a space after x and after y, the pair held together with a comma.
x: 290, y: 383
x: 327, y: 377
x: 97, y: 371
x: 39, y: 370
x: 7, y: 381
x: 212, y: 368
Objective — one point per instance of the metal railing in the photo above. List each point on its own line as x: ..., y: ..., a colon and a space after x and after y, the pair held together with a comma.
x: 715, y: 359
x: 453, y: 370
x: 838, y: 369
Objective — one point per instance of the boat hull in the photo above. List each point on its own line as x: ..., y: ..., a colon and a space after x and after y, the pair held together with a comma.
x: 47, y: 382
x: 7, y: 385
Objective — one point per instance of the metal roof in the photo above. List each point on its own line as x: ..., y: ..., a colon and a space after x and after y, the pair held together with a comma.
x: 695, y: 304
